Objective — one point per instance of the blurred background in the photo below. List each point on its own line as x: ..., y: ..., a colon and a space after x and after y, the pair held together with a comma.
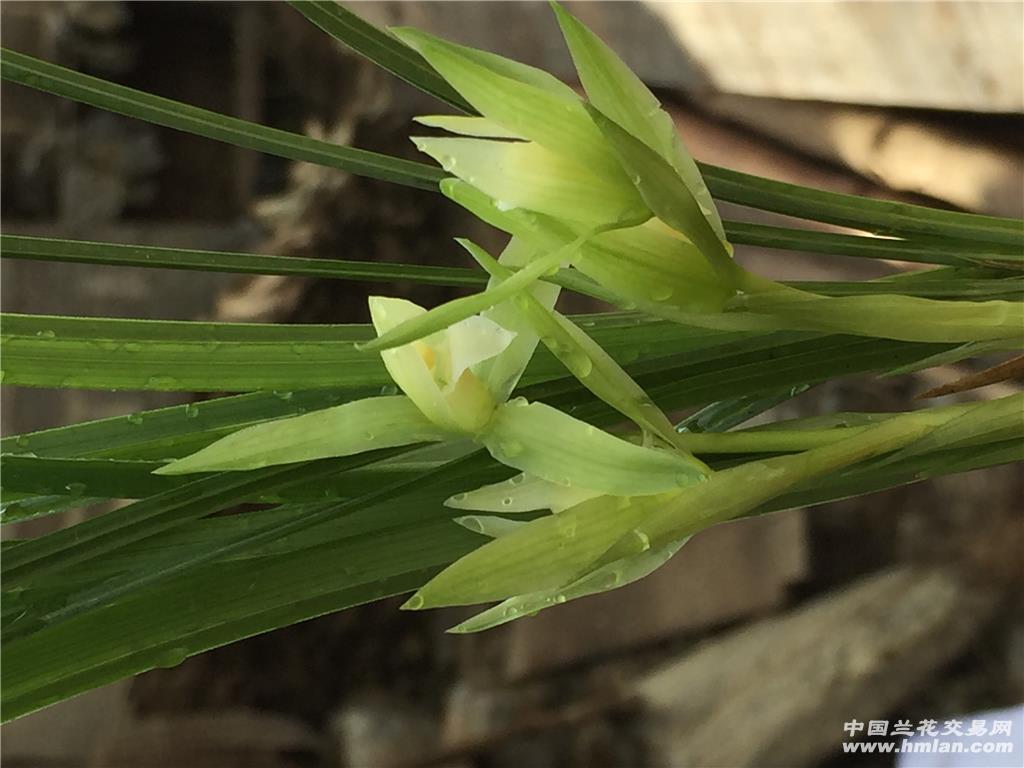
x: 757, y: 643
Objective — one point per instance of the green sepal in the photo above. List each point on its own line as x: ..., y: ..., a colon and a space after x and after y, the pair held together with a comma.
x: 543, y: 554
x: 501, y: 373
x: 521, y: 493
x: 363, y: 425
x: 526, y: 175
x: 464, y: 125
x: 666, y: 194
x: 547, y: 443
x: 616, y: 91
x: 522, y: 100
x: 606, y: 577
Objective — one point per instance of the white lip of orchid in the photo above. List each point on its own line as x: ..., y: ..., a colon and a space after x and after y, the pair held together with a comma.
x: 460, y: 347
x: 436, y: 372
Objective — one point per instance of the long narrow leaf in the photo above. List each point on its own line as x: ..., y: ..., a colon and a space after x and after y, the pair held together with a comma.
x: 44, y: 76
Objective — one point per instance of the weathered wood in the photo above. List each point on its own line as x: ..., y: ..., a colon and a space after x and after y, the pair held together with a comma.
x: 778, y: 692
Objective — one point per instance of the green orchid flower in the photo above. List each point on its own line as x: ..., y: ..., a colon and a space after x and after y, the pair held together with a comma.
x: 593, y: 542
x: 543, y: 164
x: 455, y: 382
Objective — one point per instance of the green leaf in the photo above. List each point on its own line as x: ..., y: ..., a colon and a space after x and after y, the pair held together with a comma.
x: 379, y: 47
x: 925, y: 251
x: 81, y: 252
x: 44, y: 76
x: 547, y: 443
x: 880, y: 216
x: 344, y: 430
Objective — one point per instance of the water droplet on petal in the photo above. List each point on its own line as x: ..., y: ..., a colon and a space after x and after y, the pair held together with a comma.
x: 517, y: 480
x: 75, y: 489
x: 510, y: 448
x: 134, y: 418
x: 507, y: 501
x: 48, y: 334
x: 132, y: 346
x: 511, y: 612
x: 191, y: 411
x: 559, y: 598
x: 459, y: 497
x: 283, y: 395
x: 22, y: 441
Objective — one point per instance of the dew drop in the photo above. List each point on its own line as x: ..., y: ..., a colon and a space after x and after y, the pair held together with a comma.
x: 517, y: 480
x: 684, y: 479
x: 458, y: 497
x: 75, y: 489
x: 191, y: 411
x: 171, y: 657
x: 507, y: 501
x: 283, y: 395
x: 134, y: 418
x: 643, y: 540
x: 368, y: 435
x: 46, y: 334
x: 510, y: 448
x: 389, y: 389
x: 511, y: 612
x: 502, y: 205
x: 132, y: 346
x: 559, y: 599
x: 661, y: 292
x: 22, y: 441
x: 161, y: 382
x: 518, y: 402
x: 565, y: 481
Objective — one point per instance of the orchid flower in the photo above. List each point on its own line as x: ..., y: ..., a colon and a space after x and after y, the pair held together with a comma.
x: 455, y: 383
x: 546, y: 166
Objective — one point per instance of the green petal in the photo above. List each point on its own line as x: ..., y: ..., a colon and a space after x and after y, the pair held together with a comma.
x: 615, y: 90
x: 526, y: 175
x: 543, y: 554
x: 522, y: 493
x: 404, y: 363
x: 521, y: 100
x: 542, y: 441
x: 602, y: 579
x: 464, y: 125
x: 364, y: 425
